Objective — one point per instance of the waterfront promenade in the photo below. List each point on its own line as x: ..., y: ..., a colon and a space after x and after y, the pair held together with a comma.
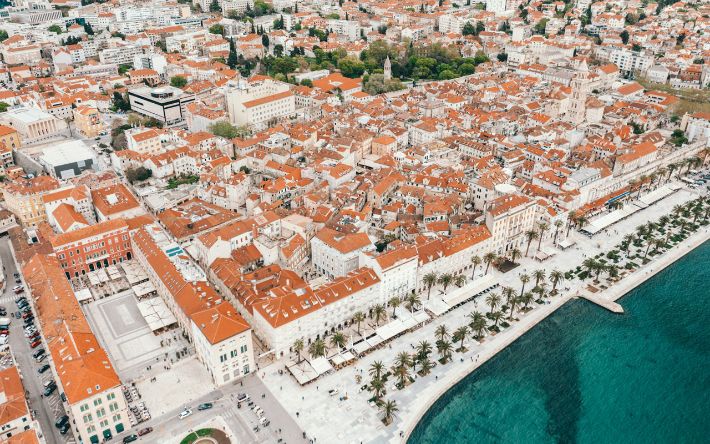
x: 332, y: 419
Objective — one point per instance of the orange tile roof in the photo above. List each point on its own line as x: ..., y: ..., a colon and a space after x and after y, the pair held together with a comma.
x: 13, y: 405
x: 219, y: 323
x: 122, y: 200
x: 343, y: 242
x: 267, y: 99
x: 83, y: 367
x: 90, y: 231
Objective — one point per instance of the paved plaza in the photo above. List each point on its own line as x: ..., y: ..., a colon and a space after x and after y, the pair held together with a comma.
x: 330, y: 419
x: 134, y: 349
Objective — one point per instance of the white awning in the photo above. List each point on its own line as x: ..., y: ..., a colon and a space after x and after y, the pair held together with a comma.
x: 156, y: 313
x: 321, y: 365
x: 83, y: 295
x: 470, y: 290
x: 303, y: 372
x: 143, y: 289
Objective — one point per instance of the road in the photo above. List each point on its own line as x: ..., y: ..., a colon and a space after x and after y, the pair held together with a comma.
x: 242, y: 421
x: 46, y: 409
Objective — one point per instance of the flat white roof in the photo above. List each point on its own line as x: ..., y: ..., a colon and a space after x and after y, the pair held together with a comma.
x: 66, y: 152
x: 28, y: 115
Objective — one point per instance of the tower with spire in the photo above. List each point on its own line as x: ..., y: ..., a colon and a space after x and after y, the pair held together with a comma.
x: 580, y: 87
x: 387, y: 69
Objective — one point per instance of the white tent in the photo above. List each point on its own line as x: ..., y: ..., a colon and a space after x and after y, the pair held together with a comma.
x: 321, y: 365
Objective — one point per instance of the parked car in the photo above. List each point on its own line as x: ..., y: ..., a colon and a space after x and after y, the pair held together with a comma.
x: 205, y: 406
x: 61, y: 421
x: 242, y: 397
x: 37, y: 353
x: 20, y: 299
x: 3, y: 339
x: 43, y: 369
x: 34, y: 336
x: 185, y: 413
x: 35, y: 343
x: 50, y: 389
x: 64, y: 429
x: 130, y: 438
x: 18, y: 289
x: 26, y: 314
x: 145, y: 431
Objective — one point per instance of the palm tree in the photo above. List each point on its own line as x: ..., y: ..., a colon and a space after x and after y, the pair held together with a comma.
x: 445, y: 280
x: 542, y: 227
x: 497, y: 316
x: 558, y: 224
x: 444, y: 350
x: 473, y: 316
x: 412, y: 301
x: 425, y: 366
x: 530, y: 235
x: 459, y: 280
x: 556, y: 276
x: 526, y: 299
x: 479, y: 326
x: 460, y: 335
x: 514, y: 301
x: 582, y: 221
x: 376, y: 369
x: 379, y: 312
x: 402, y: 362
x: 539, y: 275
x: 378, y: 386
x: 429, y: 280
x: 441, y: 332
x: 571, y: 219
x: 493, y: 300
x: 514, y: 254
x: 388, y: 409
x: 488, y: 258
x: 598, y: 268
x: 476, y: 261
x: 338, y: 341
x: 423, y: 349
x: 508, y: 292
x: 524, y: 279
x: 628, y: 240
x: 358, y: 317
x: 298, y: 348
x: 394, y: 303
x: 317, y: 348
x: 590, y: 264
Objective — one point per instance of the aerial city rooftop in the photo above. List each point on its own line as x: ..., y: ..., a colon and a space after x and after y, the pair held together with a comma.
x: 230, y: 203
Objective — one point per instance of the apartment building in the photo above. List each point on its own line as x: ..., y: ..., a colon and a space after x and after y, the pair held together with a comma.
x: 221, y: 336
x: 282, y: 315
x: 24, y: 198
x: 15, y: 417
x: 88, y: 121
x: 93, y: 247
x: 34, y: 125
x: 258, y: 101
x: 81, y: 367
x: 336, y: 254
x: 508, y: 218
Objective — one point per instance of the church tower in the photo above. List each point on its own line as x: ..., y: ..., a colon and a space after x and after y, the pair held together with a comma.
x: 580, y: 89
x: 388, y: 68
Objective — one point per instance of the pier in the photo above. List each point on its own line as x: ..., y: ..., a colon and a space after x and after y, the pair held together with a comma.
x: 609, y: 305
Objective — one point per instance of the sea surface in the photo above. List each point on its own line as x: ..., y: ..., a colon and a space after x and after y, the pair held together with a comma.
x: 586, y: 375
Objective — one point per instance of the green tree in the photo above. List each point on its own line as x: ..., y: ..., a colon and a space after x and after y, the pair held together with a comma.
x: 178, y: 81
x: 540, y: 26
x: 502, y: 57
x: 265, y: 40
x: 233, y: 58
x: 138, y: 174
x: 88, y: 29
x: 351, y: 67
x: 624, y: 36
x: 3, y: 35
x: 55, y: 29
x: 217, y: 29
x: 120, y: 102
x: 468, y: 29
x: 224, y: 129
x: 3, y: 107
x: 214, y: 6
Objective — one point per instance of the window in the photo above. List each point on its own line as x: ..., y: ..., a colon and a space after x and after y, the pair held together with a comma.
x: 111, y: 396
x: 243, y: 348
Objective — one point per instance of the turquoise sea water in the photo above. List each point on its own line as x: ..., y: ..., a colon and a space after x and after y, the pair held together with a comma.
x: 585, y: 375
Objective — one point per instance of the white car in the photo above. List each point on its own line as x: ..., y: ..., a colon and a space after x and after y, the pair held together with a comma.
x: 184, y: 414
